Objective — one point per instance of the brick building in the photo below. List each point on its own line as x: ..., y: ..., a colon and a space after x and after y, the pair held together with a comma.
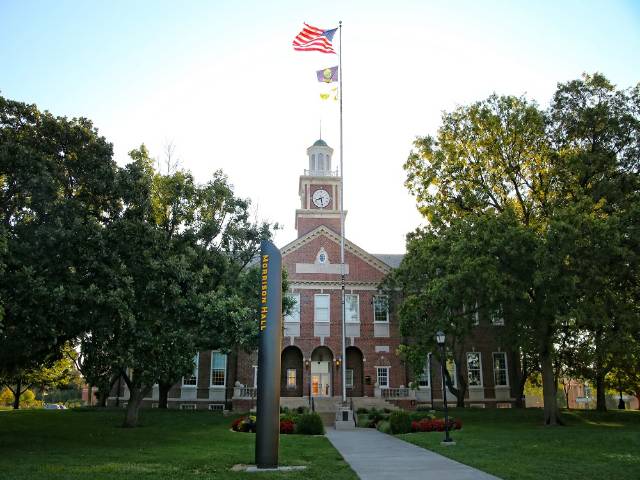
x: 312, y: 360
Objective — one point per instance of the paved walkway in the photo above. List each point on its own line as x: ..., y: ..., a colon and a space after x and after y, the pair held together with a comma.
x: 374, y: 455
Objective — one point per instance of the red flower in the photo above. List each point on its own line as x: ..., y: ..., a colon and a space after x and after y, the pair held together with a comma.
x: 286, y: 426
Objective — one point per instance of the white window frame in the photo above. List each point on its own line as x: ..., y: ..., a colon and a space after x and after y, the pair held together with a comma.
x: 315, y: 307
x: 294, y: 315
x: 375, y: 297
x: 495, y: 370
x: 295, y: 378
x: 211, y: 385
x: 388, y: 369
x: 426, y: 374
x: 255, y: 376
x: 475, y: 316
x: 196, y: 361
x: 349, y: 378
x: 479, y: 369
x: 497, y: 317
x: 347, y: 319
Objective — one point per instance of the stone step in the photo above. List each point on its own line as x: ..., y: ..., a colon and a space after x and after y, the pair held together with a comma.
x: 373, y: 402
x: 328, y: 418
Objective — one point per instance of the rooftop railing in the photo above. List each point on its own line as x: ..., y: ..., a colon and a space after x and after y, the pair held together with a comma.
x: 321, y: 173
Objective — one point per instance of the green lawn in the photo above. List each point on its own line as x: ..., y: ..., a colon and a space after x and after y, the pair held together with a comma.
x: 512, y: 444
x: 90, y: 445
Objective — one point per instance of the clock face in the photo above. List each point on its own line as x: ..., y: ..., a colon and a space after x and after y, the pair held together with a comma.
x: 321, y: 198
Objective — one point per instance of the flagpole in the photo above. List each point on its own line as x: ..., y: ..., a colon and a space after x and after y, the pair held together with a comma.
x: 344, y: 339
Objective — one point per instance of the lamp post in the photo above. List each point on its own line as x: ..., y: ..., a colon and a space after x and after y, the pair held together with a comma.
x: 440, y: 339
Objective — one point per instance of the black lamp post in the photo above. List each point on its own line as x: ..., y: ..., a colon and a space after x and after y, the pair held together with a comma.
x: 440, y: 339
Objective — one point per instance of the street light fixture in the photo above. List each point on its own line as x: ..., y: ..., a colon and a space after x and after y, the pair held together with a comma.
x: 440, y: 340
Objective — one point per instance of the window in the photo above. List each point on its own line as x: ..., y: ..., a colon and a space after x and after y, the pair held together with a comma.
x: 500, y: 376
x: 291, y: 378
x: 321, y: 308
x: 382, y: 374
x: 294, y: 314
x: 380, y: 309
x: 313, y: 161
x: 351, y: 309
x: 188, y: 406
x: 192, y: 380
x: 218, y: 369
x: 320, y: 162
x: 255, y: 376
x: 349, y: 378
x: 474, y: 369
x: 424, y: 380
x: 453, y: 372
x: 497, y: 317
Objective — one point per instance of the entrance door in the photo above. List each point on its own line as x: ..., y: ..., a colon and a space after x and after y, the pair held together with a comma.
x: 320, y: 379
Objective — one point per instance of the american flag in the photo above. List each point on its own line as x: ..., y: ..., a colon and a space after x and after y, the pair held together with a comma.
x: 316, y: 39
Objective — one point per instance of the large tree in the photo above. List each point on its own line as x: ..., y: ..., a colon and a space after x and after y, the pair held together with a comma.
x: 56, y: 194
x: 548, y: 170
x: 181, y: 250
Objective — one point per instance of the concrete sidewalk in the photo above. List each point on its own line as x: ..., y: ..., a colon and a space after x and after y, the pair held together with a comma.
x: 374, y: 455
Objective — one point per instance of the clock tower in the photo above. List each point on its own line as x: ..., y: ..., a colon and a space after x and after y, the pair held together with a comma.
x: 319, y: 190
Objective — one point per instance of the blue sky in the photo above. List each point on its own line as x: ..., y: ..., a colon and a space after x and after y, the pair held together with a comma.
x: 220, y: 80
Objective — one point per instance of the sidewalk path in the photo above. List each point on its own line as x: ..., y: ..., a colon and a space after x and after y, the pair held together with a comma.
x: 374, y: 455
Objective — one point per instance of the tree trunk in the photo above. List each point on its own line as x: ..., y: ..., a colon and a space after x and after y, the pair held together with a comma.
x: 136, y: 394
x: 601, y: 399
x: 638, y: 398
x: 549, y: 389
x: 102, y: 398
x: 163, y: 394
x: 16, y: 395
x: 521, y: 380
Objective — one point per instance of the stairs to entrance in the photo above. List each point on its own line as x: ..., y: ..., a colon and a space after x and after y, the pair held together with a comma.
x: 327, y: 407
x: 294, y: 402
x: 372, y: 402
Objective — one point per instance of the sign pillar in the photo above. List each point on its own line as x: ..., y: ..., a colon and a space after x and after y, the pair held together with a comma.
x: 268, y: 406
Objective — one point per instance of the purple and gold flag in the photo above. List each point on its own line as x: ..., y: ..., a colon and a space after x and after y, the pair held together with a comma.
x: 328, y: 75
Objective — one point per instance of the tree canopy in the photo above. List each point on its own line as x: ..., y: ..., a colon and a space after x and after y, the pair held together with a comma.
x: 533, y: 212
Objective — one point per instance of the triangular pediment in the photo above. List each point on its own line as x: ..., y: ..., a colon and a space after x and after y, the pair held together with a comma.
x: 350, y: 247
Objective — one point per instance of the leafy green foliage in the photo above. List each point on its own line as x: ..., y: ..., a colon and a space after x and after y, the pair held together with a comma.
x: 310, y: 424
x: 533, y: 214
x: 400, y: 422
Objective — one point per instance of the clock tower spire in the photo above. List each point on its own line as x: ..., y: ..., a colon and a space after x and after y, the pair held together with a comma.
x: 319, y: 191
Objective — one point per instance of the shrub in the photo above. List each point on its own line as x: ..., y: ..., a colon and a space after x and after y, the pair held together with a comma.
x: 284, y: 409
x: 6, y: 397
x: 310, y: 424
x: 375, y: 416
x: 286, y: 426
x: 424, y: 407
x: 301, y: 410
x: 384, y: 426
x: 400, y: 422
x: 386, y: 410
x: 362, y: 410
x: 417, y: 416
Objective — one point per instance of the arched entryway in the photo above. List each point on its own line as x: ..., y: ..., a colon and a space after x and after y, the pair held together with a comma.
x: 355, y: 372
x: 291, y: 362
x: 321, y: 380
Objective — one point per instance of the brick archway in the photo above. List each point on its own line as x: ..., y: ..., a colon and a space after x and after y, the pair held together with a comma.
x: 291, y: 372
x: 355, y: 362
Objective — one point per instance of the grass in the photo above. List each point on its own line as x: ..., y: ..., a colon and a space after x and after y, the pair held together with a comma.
x: 90, y: 444
x: 512, y: 444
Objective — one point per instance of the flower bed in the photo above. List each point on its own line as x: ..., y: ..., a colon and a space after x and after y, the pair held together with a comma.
x: 434, y: 425
x: 304, y: 424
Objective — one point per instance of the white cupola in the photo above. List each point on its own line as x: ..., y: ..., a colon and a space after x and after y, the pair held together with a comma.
x: 320, y: 159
